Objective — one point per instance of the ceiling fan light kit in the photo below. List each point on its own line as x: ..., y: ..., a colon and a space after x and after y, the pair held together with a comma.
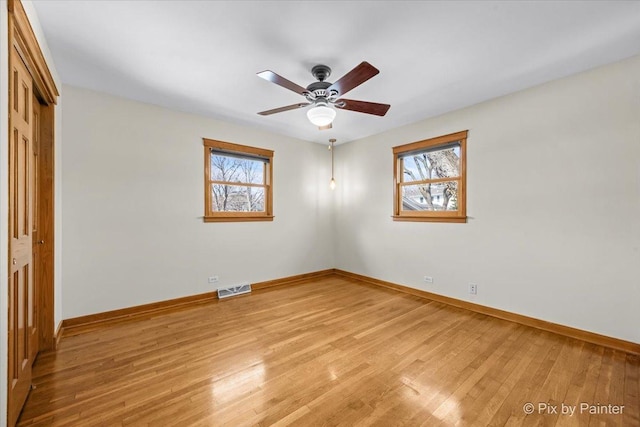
x: 321, y: 114
x: 322, y: 94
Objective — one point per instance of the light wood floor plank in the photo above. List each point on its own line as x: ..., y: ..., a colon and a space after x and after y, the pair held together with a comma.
x: 331, y: 351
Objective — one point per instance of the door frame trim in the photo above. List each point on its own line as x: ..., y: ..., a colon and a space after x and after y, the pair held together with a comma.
x: 22, y: 37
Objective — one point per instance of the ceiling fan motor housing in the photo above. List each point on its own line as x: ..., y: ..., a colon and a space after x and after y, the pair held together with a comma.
x: 318, y: 90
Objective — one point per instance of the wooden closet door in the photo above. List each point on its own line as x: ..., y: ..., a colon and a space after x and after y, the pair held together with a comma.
x: 22, y: 301
x: 34, y: 294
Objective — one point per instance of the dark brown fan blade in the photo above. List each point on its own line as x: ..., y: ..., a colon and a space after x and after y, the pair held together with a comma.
x: 279, y: 80
x: 329, y: 126
x: 281, y: 109
x: 353, y: 78
x: 364, y: 107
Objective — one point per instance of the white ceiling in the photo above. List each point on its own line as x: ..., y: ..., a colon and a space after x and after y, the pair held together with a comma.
x: 202, y: 56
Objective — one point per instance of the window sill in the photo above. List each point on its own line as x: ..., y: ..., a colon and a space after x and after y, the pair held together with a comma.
x: 461, y: 219
x: 237, y: 218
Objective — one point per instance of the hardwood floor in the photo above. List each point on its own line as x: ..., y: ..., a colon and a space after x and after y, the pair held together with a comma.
x: 328, y: 352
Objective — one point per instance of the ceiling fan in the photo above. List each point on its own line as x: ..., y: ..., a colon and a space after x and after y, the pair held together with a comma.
x: 323, y: 94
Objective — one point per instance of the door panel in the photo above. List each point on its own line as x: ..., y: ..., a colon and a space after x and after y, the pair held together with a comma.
x: 22, y: 304
x: 34, y: 295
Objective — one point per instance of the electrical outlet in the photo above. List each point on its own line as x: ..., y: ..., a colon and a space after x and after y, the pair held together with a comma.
x: 214, y: 279
x: 473, y: 288
x: 428, y: 279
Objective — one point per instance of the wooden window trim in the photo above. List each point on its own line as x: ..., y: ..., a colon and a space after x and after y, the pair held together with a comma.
x: 459, y: 216
x: 213, y: 216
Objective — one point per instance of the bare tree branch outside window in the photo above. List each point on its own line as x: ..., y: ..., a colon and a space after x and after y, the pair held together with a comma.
x: 238, y: 184
x: 432, y: 165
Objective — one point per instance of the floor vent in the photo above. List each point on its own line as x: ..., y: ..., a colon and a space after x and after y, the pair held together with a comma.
x: 234, y: 290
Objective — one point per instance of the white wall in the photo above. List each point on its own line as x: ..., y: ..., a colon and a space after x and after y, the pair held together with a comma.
x: 553, y: 205
x: 4, y: 185
x: 132, y: 185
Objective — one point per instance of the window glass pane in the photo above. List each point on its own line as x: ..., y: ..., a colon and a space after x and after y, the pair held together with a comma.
x: 440, y: 196
x: 434, y: 164
x: 233, y: 198
x: 236, y: 169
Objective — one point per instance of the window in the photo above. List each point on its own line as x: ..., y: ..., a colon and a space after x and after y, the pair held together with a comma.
x: 237, y: 182
x: 430, y: 179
